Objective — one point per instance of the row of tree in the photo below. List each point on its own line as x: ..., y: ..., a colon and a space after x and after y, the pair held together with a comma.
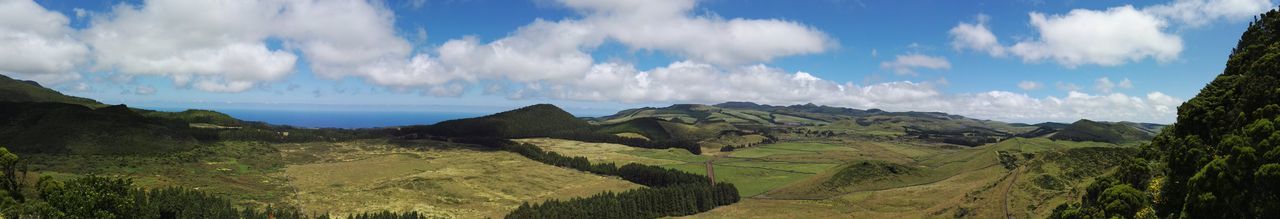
x: 674, y: 200
x: 669, y: 192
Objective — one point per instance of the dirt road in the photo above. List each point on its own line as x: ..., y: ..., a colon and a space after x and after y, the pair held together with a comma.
x: 1012, y: 182
x: 711, y: 169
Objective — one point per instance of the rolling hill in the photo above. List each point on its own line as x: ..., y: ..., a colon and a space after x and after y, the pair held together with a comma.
x: 35, y: 119
x: 1110, y: 132
x: 13, y: 90
x: 535, y: 120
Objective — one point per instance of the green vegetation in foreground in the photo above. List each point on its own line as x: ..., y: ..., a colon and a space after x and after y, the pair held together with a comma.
x: 106, y: 197
x: 1222, y: 157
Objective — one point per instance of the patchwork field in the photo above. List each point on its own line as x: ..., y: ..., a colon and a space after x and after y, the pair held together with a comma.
x: 842, y: 178
x: 451, y: 183
x: 437, y: 178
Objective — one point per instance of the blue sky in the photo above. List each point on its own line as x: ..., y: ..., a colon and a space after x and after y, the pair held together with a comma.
x: 483, y: 55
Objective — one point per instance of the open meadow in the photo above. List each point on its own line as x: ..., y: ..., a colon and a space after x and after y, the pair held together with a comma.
x: 437, y: 179
x: 846, y: 178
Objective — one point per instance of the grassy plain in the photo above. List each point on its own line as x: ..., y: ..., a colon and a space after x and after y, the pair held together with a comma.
x: 798, y: 177
x: 437, y: 178
x: 450, y: 183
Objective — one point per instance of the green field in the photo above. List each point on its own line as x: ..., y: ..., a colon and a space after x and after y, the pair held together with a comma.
x: 436, y: 178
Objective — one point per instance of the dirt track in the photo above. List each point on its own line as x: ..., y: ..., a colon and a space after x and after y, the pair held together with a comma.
x: 1012, y: 181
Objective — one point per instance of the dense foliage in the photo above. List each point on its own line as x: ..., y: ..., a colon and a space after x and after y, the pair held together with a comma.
x: 1222, y: 157
x: 675, y: 200
x: 669, y: 192
x: 35, y: 127
x: 1223, y: 153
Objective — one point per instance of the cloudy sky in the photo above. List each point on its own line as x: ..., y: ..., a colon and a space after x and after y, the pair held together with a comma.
x: 1023, y: 61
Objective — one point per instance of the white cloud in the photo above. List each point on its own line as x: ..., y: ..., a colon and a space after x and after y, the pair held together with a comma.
x: 906, y: 64
x: 1029, y: 85
x: 1105, y: 85
x: 1107, y: 38
x: 144, y: 90
x: 1067, y: 86
x: 230, y: 47
x: 559, y: 51
x: 38, y: 43
x: 976, y: 36
x: 1110, y: 37
x: 667, y: 26
x: 1195, y: 13
x: 223, y: 47
x: 80, y: 12
x: 81, y: 87
x: 694, y: 82
x: 1125, y: 83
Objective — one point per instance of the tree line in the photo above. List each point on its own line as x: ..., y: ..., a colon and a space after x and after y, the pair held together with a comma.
x: 669, y: 192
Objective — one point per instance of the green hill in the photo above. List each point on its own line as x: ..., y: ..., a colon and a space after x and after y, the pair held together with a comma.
x: 44, y: 127
x: 14, y: 90
x: 1118, y: 132
x: 1223, y: 153
x: 1221, y: 159
x: 530, y: 121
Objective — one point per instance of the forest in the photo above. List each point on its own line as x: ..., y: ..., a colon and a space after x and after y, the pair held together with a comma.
x: 1221, y: 159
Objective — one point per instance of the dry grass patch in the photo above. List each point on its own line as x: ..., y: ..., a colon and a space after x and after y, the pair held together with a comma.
x: 596, y: 152
x: 451, y: 183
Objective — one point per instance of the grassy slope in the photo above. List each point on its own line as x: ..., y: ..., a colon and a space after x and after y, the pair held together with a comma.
x: 67, y: 128
x: 442, y: 179
x: 933, y: 183
x: 13, y: 90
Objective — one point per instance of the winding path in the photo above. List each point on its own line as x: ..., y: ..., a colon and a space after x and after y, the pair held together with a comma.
x: 1012, y: 182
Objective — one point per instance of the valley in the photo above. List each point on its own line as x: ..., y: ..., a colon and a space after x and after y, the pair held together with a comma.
x: 831, y: 162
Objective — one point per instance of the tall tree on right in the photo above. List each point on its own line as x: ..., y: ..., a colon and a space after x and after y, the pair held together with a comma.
x: 1222, y: 156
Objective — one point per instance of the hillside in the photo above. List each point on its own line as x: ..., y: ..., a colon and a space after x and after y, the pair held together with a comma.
x: 1110, y: 132
x: 14, y: 90
x: 1221, y: 159
x: 34, y: 119
x: 535, y: 120
x: 46, y: 127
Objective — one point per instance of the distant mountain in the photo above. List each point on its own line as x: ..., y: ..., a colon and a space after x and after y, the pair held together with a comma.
x: 1110, y: 132
x: 546, y: 120
x: 14, y: 90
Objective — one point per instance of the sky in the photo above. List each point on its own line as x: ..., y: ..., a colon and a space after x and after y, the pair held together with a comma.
x: 1016, y: 61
